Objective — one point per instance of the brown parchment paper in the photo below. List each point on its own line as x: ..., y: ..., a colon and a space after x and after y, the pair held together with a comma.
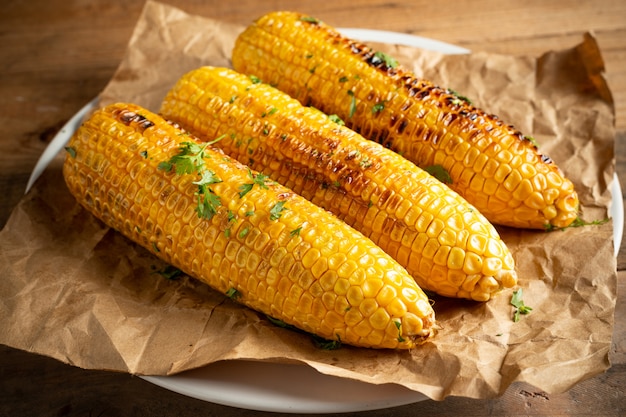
x: 78, y: 291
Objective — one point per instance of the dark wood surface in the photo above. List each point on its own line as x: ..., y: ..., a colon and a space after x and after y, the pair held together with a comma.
x: 55, y: 56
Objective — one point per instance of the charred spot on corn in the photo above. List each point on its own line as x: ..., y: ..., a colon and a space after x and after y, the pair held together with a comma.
x: 131, y: 118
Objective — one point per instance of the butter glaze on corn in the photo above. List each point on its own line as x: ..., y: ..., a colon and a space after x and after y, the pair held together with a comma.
x: 327, y: 279
x: 495, y: 167
x: 443, y: 242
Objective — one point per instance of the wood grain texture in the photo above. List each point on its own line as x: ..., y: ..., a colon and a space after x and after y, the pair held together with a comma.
x: 58, y: 55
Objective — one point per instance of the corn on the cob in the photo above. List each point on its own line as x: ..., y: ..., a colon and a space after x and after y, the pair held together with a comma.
x: 443, y: 242
x: 495, y: 167
x: 277, y: 252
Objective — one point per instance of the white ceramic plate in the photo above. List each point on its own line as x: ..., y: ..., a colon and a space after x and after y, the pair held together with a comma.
x: 292, y: 388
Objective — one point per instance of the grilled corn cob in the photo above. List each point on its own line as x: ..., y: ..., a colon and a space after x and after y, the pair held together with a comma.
x: 270, y: 249
x: 443, y: 242
x: 495, y: 167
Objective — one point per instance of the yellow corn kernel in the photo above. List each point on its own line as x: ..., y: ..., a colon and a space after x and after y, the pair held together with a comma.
x: 243, y: 243
x: 427, y: 124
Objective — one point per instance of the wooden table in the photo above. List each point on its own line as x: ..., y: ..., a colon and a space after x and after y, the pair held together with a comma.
x: 57, y: 55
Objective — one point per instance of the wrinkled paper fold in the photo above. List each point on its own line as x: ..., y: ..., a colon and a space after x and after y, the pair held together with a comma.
x: 78, y: 291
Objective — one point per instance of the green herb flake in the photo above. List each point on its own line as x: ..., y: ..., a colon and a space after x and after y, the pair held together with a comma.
x: 383, y: 57
x: 326, y: 344
x: 578, y: 222
x: 295, y: 232
x: 378, y: 107
x: 249, y: 213
x: 170, y: 272
x: 518, y: 302
x: 233, y: 294
x: 189, y: 159
x: 399, y: 327
x: 352, y: 104
x: 71, y: 151
x: 336, y: 119
x: 244, y: 232
x: 255, y: 79
x: 259, y: 179
x: 531, y: 140
x: 458, y: 98
x: 365, y: 163
x: 277, y: 210
x: 232, y: 99
x: 343, y: 79
x: 440, y: 173
x: 144, y: 154
x: 309, y: 19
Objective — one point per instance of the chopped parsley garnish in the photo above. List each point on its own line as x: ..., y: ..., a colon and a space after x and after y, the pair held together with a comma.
x: 352, y: 104
x: 518, y: 303
x: 365, y: 163
x: 259, y: 179
x: 326, y: 344
x: 189, y: 160
x: 144, y: 154
x: 244, y: 232
x: 531, y: 140
x: 170, y: 272
x: 71, y: 151
x: 255, y: 79
x: 343, y: 79
x: 277, y: 210
x: 399, y: 327
x: 208, y: 203
x: 336, y: 119
x: 458, y: 98
x: 295, y: 232
x: 378, y: 107
x: 309, y: 19
x: 383, y: 57
x: 270, y: 112
x: 440, y: 173
x: 233, y: 294
x: 578, y: 222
